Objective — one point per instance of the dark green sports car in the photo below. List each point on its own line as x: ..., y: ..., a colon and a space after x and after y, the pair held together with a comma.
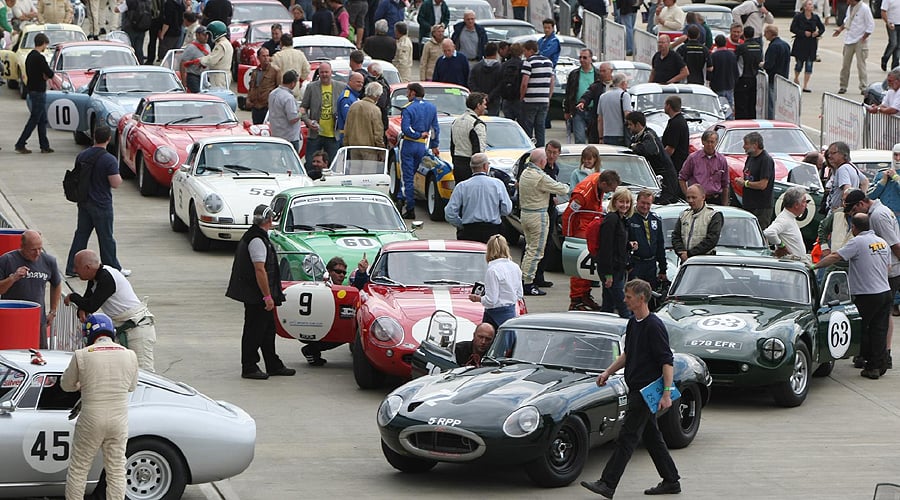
x: 761, y: 321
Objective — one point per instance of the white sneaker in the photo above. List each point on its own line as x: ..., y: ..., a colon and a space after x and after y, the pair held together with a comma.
x: 125, y: 272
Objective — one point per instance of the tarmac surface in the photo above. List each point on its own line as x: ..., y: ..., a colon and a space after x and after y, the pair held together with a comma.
x: 317, y: 436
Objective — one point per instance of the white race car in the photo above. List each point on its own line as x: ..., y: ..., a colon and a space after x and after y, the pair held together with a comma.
x: 176, y: 436
x: 701, y: 107
x: 214, y: 193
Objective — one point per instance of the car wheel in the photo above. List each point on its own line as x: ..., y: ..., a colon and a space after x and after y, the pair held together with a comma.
x: 199, y: 241
x: 434, y: 201
x: 23, y: 92
x: 824, y: 369
x: 394, y: 174
x: 366, y: 375
x: 564, y: 457
x: 680, y: 424
x: 154, y: 470
x: 82, y: 139
x: 13, y: 84
x: 792, y: 392
x: 147, y: 184
x: 403, y: 463
x: 175, y: 221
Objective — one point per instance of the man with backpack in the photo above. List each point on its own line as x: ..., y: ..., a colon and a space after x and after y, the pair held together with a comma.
x: 95, y: 210
x: 511, y: 76
x: 136, y: 24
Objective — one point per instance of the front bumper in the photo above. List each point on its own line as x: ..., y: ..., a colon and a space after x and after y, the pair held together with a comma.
x: 220, y: 231
x: 746, y: 373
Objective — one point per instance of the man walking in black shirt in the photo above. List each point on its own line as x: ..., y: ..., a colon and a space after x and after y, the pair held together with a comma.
x: 37, y: 72
x: 749, y: 54
x: 676, y: 137
x: 758, y: 180
x: 723, y: 72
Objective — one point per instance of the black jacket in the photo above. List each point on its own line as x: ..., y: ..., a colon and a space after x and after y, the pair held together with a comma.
x: 572, y: 82
x: 380, y: 47
x: 218, y: 10
x: 615, y: 250
x: 242, y: 286
x: 487, y: 79
x: 648, y: 145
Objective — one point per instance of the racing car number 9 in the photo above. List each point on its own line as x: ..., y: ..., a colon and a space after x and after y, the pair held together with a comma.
x: 308, y: 311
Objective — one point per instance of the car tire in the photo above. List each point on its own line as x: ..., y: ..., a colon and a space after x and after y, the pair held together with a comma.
x: 199, y: 241
x: 403, y: 463
x: 366, y: 375
x: 510, y: 233
x: 792, y: 392
x: 23, y: 92
x: 433, y: 200
x: 824, y: 369
x: 564, y: 457
x: 13, y: 84
x: 394, y: 174
x: 124, y: 170
x: 147, y: 184
x: 81, y: 138
x: 175, y: 221
x: 154, y: 470
x: 680, y: 424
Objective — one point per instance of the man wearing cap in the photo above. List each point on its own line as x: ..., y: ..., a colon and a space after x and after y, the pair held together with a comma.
x: 104, y: 372
x: 26, y: 272
x: 869, y: 258
x: 255, y: 281
x: 190, y: 67
x: 476, y: 205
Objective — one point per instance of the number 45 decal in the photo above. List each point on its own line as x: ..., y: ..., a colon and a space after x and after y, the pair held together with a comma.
x: 59, y: 448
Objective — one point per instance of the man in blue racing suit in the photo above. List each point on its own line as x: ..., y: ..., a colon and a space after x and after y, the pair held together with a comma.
x: 419, y: 126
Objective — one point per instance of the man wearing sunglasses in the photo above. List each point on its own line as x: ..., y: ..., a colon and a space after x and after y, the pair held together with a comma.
x: 580, y: 120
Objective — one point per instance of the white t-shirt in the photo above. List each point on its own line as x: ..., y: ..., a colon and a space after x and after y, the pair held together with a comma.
x: 892, y: 98
x: 893, y: 10
x: 257, y: 250
x: 784, y: 229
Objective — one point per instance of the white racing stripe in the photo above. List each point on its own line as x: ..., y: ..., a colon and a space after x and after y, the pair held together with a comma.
x: 437, y: 245
x: 443, y: 301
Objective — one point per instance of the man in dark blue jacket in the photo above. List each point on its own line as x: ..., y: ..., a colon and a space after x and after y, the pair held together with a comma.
x: 469, y: 37
x: 391, y: 11
x: 420, y: 131
x: 645, y: 230
x: 427, y: 19
x: 778, y: 61
x: 452, y: 67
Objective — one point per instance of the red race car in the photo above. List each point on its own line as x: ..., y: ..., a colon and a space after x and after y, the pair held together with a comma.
x: 409, y: 281
x: 247, y: 11
x: 76, y: 62
x: 154, y: 141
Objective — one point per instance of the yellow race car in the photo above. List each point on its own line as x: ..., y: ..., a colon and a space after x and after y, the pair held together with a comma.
x: 12, y: 62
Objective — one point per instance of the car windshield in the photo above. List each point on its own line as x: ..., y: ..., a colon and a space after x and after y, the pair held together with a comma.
x: 359, y: 161
x: 10, y: 380
x: 570, y: 50
x: 737, y: 232
x: 450, y: 101
x: 871, y: 168
x: 776, y: 140
x: 259, y: 33
x: 500, y: 135
x: 246, y: 12
x: 343, y: 211
x: 584, y: 351
x: 56, y: 37
x: 697, y: 102
x: 187, y: 113
x: 718, y: 20
x: 92, y: 57
x: 446, y: 267
x: 635, y: 75
x: 247, y: 158
x: 505, y: 32
x: 138, y: 82
x: 325, y: 52
x: 803, y: 174
x: 760, y: 282
x: 457, y: 9
x: 633, y: 170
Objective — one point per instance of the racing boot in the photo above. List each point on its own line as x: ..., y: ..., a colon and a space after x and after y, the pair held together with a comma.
x: 589, y: 301
x: 578, y: 304
x: 313, y: 358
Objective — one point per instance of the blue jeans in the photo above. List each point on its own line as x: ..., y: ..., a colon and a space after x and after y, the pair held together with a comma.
x: 628, y: 21
x: 137, y: 42
x: 499, y: 315
x: 511, y: 109
x: 93, y: 218
x: 892, y: 50
x: 614, y: 296
x: 327, y: 144
x: 532, y: 120
x: 581, y: 121
x: 37, y: 103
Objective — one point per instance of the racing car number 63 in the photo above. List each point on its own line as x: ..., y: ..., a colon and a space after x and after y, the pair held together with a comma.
x: 838, y: 334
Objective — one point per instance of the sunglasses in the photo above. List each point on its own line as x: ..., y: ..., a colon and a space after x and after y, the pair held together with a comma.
x: 339, y: 271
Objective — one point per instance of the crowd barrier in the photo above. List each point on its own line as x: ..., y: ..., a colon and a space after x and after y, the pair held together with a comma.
x: 788, y: 96
x: 592, y: 32
x: 882, y: 131
x: 644, y: 46
x: 565, y: 18
x: 502, y: 8
x: 538, y: 11
x: 613, y: 41
x: 842, y: 120
x: 762, y: 94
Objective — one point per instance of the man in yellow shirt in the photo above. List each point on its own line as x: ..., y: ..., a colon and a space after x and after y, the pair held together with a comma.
x: 318, y: 112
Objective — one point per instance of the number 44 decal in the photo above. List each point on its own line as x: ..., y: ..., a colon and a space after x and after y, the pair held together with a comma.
x: 59, y: 447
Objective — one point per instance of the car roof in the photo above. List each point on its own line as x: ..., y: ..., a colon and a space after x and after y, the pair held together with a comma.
x: 484, y: 118
x: 172, y: 96
x: 429, y: 85
x: 144, y: 68
x: 434, y: 246
x: 674, y: 88
x: 620, y: 64
x: 100, y: 44
x: 344, y: 64
x: 499, y: 21
x: 51, y: 27
x: 727, y: 211
x: 317, y: 190
x: 871, y: 155
x: 754, y: 124
x: 604, y: 149
x: 588, y: 322
x: 57, y: 361
x: 704, y: 8
x: 256, y: 1
x: 243, y: 138
x: 469, y: 2
x: 750, y: 261
x: 322, y: 41
x: 282, y: 22
x: 538, y: 36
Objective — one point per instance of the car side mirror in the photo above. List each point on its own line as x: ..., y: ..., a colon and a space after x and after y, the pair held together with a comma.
x: 417, y: 224
x: 66, y: 87
x: 7, y: 407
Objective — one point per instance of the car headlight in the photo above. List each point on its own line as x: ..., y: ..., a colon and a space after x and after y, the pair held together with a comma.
x: 165, y: 156
x: 522, y: 422
x: 313, y: 266
x: 213, y: 203
x: 773, y: 349
x: 387, y: 330
x: 112, y: 119
x: 389, y: 409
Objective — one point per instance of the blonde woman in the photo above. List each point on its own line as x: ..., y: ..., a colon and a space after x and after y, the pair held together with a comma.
x: 590, y: 163
x: 614, y: 251
x: 502, y: 283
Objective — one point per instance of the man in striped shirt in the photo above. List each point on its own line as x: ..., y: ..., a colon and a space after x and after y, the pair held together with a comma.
x: 535, y: 91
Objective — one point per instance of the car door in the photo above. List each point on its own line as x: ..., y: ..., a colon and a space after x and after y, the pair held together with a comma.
x: 67, y: 110
x: 839, y: 324
x: 359, y: 166
x: 210, y: 83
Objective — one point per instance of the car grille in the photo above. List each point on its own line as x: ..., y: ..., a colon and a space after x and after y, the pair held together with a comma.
x: 450, y: 444
x: 722, y: 367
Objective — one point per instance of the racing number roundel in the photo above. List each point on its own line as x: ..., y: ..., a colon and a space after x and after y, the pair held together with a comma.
x: 62, y: 114
x: 47, y: 445
x: 722, y: 322
x: 806, y: 217
x: 838, y: 334
x: 308, y: 311
x: 356, y: 243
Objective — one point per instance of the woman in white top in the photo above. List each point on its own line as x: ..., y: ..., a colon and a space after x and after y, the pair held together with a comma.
x: 502, y: 284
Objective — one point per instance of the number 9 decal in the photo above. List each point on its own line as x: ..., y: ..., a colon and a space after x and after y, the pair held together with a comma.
x: 308, y: 311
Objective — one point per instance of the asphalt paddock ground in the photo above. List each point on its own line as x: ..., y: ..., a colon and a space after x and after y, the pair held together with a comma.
x: 317, y: 436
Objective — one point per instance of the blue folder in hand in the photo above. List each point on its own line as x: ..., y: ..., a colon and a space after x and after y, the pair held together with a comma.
x: 653, y: 393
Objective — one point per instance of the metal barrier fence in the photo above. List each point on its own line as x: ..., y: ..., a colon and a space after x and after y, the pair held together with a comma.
x: 65, y: 333
x: 882, y: 131
x: 613, y: 41
x: 762, y: 94
x: 788, y: 97
x: 502, y: 8
x: 592, y: 32
x: 538, y: 11
x: 842, y: 120
x: 565, y: 18
x: 644, y: 46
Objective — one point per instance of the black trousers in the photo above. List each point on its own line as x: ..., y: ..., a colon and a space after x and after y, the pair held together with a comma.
x: 639, y: 423
x: 478, y: 231
x: 462, y: 170
x: 259, y: 115
x: 259, y: 335
x: 745, y: 99
x: 316, y: 348
x: 875, y: 312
